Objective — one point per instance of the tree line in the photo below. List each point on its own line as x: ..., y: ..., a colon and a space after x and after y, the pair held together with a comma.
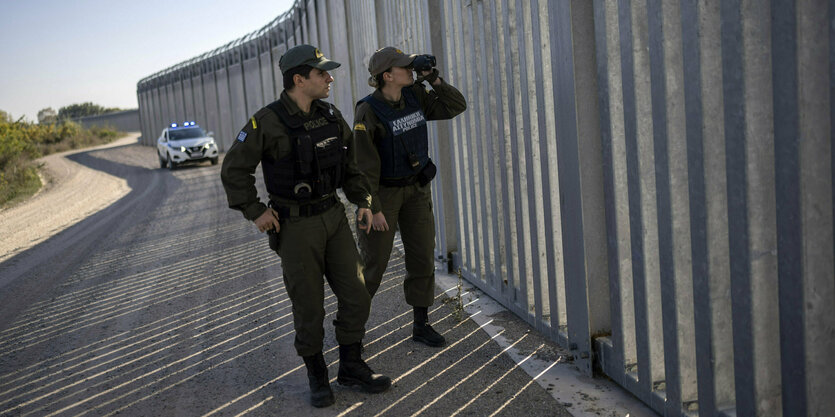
x: 73, y: 111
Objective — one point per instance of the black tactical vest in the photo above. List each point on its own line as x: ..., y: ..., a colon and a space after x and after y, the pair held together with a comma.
x: 314, y: 167
x: 404, y: 151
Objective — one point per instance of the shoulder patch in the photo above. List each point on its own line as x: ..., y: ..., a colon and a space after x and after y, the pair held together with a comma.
x: 359, y: 126
x: 242, y: 136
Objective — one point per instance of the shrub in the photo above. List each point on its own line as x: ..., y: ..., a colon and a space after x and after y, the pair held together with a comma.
x: 21, y: 143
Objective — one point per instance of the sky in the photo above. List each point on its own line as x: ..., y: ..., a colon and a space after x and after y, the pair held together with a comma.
x: 54, y: 53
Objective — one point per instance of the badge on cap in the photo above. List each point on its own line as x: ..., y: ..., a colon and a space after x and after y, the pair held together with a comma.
x: 241, y: 136
x: 317, y: 53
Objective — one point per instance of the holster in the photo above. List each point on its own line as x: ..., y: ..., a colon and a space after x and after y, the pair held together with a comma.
x: 272, y: 235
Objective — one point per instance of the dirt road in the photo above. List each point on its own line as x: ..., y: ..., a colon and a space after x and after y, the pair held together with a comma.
x: 70, y: 194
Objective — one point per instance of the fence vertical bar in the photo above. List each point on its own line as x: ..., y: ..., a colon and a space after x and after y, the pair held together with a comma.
x: 550, y: 196
x: 703, y: 319
x: 759, y: 294
x: 737, y: 203
x: 635, y: 213
x: 536, y: 130
x: 789, y: 223
x: 664, y: 208
x: 604, y: 97
x: 520, y: 80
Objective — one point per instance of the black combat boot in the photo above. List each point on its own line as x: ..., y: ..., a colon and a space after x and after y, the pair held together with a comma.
x: 317, y: 375
x: 424, y: 333
x: 354, y: 371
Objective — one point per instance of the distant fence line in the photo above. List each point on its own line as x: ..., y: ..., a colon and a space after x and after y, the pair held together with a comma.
x: 125, y: 121
x: 647, y: 182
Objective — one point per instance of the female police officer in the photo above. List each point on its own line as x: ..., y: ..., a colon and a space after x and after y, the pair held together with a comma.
x: 306, y: 151
x: 391, y: 124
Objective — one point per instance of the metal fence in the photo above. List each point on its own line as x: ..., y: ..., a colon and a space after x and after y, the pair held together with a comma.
x: 647, y: 182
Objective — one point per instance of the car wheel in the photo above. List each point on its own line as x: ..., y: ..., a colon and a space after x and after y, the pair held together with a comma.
x: 162, y: 162
x: 214, y: 161
x: 171, y: 164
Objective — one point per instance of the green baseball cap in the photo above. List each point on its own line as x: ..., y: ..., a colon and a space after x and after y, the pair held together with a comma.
x: 305, y: 55
x: 388, y: 57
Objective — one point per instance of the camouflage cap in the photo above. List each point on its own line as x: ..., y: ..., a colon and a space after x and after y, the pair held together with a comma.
x: 388, y: 57
x: 305, y: 55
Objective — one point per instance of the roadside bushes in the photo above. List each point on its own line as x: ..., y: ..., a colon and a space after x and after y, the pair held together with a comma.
x: 22, y: 142
x: 18, y: 175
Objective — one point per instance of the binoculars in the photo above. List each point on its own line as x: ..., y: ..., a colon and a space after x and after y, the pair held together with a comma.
x: 423, y: 63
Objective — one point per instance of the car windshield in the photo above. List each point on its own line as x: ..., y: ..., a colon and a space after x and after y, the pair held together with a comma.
x: 187, y: 133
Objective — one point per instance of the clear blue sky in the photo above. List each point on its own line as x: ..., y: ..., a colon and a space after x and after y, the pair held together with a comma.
x: 55, y: 53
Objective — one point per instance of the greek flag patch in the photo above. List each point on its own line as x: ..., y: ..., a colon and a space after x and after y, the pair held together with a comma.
x: 241, y: 136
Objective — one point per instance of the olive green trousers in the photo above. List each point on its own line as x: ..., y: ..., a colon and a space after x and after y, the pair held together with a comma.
x: 410, y: 208
x: 317, y: 246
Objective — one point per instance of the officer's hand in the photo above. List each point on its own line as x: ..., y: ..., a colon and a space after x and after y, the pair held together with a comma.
x: 436, y: 81
x: 268, y: 220
x: 378, y: 222
x: 364, y: 217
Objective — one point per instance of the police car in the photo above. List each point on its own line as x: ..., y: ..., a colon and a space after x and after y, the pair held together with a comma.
x: 185, y: 143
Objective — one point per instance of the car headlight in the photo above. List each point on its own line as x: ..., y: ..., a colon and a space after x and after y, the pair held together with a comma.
x: 182, y: 148
x: 208, y: 145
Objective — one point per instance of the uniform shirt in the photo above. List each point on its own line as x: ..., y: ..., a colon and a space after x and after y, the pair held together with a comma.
x: 265, y: 134
x: 445, y: 102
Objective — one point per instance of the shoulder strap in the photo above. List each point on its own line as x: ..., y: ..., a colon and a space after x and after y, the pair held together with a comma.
x: 286, y: 118
x: 383, y: 110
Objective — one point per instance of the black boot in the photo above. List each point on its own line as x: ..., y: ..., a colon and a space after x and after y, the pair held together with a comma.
x: 317, y: 375
x: 354, y: 371
x: 424, y: 333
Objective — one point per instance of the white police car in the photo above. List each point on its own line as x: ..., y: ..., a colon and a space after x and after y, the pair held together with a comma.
x: 185, y: 143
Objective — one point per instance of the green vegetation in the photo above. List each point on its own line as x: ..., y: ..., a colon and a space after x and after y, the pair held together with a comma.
x: 22, y: 142
x: 83, y: 109
x: 457, y: 301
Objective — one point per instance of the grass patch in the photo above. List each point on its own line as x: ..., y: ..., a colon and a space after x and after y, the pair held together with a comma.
x: 22, y: 142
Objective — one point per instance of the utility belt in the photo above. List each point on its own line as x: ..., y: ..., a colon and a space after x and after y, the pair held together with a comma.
x: 423, y: 177
x: 304, y: 210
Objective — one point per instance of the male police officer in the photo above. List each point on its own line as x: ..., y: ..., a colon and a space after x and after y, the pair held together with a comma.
x: 391, y: 122
x: 306, y: 150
